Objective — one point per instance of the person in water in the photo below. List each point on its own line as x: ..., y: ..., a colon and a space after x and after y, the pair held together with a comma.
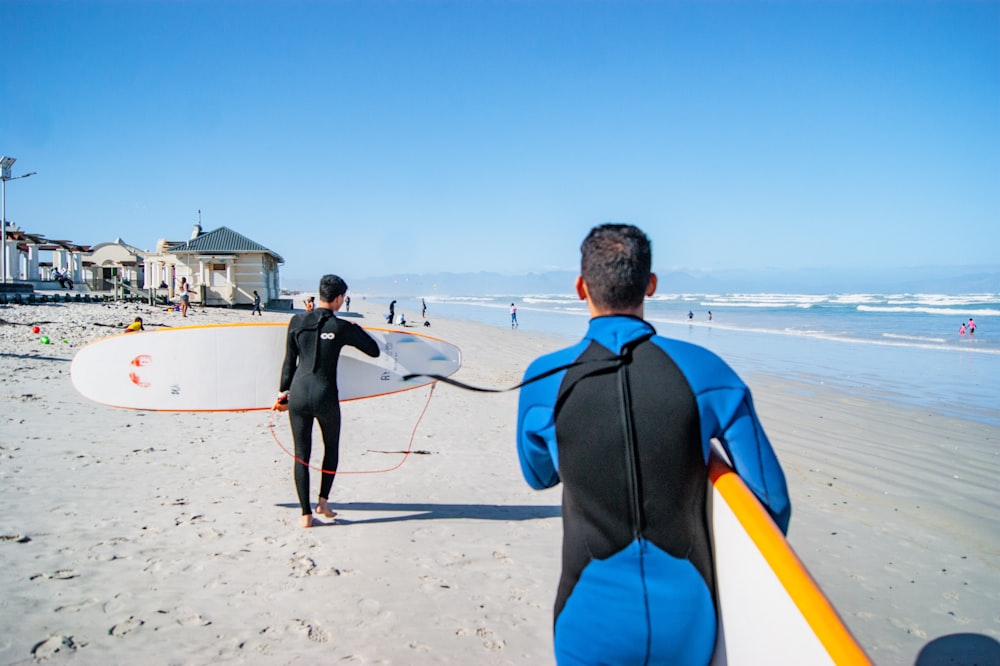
x: 624, y: 422
x: 309, y: 391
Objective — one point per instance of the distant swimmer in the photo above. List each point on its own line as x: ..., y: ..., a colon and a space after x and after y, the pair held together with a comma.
x: 690, y: 315
x: 961, y: 330
x: 972, y: 327
x: 710, y: 315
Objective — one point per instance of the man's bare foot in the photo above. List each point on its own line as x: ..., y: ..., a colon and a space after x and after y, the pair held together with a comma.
x: 307, y: 521
x: 323, y: 508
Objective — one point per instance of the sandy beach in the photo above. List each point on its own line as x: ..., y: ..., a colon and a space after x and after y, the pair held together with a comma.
x: 147, y: 537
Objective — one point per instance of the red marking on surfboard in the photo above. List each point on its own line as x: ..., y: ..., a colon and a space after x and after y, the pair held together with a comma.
x: 137, y: 380
x: 141, y: 360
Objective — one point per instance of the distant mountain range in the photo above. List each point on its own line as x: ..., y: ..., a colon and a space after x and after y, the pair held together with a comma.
x: 931, y: 280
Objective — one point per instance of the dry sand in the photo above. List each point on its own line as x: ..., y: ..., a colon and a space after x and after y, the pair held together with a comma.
x: 139, y: 537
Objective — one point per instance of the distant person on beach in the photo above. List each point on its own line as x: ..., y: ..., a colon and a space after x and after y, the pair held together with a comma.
x: 347, y: 303
x: 402, y: 319
x: 310, y: 303
x: 513, y: 316
x: 308, y: 389
x: 185, y: 290
x: 392, y: 312
x: 972, y: 327
x: 423, y: 309
x: 624, y: 422
x: 63, y: 279
x: 690, y: 315
x: 135, y: 326
x: 961, y: 330
x: 256, y: 304
x: 710, y: 315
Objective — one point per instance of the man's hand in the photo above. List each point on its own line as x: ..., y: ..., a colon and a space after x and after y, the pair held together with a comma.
x: 281, y: 405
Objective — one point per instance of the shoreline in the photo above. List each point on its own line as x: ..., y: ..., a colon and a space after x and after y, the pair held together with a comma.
x: 136, y: 534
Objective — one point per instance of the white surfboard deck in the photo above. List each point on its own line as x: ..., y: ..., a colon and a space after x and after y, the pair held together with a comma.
x: 237, y: 367
x: 770, y: 609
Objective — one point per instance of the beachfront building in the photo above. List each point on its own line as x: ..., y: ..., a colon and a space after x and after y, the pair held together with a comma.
x: 32, y: 257
x: 113, y: 266
x: 222, y: 266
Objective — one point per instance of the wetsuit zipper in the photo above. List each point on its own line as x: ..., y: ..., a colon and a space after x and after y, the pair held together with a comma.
x: 638, y: 518
x: 631, y: 455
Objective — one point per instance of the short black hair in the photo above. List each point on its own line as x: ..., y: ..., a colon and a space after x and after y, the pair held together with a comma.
x: 331, y: 286
x: 616, y: 263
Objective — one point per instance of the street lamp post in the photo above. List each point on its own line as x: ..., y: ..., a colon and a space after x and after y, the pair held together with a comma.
x: 5, y: 164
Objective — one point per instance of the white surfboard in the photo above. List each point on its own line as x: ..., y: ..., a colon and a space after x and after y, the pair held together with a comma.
x: 770, y: 609
x: 237, y: 367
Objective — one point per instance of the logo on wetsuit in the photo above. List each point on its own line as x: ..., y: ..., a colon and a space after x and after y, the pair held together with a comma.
x: 327, y: 336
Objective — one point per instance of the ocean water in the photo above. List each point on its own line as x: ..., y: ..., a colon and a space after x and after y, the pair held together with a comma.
x: 904, y: 348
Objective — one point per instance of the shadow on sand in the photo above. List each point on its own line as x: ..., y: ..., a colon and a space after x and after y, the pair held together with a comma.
x: 439, y: 512
x: 960, y: 650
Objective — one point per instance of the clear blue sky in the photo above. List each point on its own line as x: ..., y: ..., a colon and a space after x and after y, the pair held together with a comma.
x: 388, y: 137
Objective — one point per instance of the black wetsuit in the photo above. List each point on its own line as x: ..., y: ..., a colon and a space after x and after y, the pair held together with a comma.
x: 309, y: 374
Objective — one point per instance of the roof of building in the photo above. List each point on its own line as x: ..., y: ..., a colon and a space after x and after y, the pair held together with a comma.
x: 122, y: 244
x: 222, y: 241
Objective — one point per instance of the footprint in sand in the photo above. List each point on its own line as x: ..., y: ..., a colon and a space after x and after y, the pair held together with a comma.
x: 314, y: 633
x: 76, y: 607
x: 501, y: 557
x: 116, y: 604
x: 54, y: 645
x: 196, y: 620
x: 302, y: 566
x: 433, y: 583
x: 16, y: 538
x: 489, y: 639
x: 305, y: 566
x: 62, y: 574
x: 126, y: 627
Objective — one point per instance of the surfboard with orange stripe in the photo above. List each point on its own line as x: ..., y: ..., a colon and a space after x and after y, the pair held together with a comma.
x: 237, y: 367
x: 771, y: 611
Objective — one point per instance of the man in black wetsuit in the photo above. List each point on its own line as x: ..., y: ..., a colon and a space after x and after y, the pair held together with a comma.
x: 309, y: 386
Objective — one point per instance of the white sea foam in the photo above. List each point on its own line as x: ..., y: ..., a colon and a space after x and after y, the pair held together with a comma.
x: 914, y: 338
x: 920, y: 309
x: 943, y: 300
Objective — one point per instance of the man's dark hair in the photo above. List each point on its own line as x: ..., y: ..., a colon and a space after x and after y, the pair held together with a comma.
x: 616, y: 263
x: 331, y: 286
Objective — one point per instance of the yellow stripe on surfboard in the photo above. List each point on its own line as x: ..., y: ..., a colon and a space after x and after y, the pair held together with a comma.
x: 802, y: 589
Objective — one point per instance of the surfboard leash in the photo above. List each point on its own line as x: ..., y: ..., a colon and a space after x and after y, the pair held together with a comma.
x: 406, y: 453
x: 617, y: 360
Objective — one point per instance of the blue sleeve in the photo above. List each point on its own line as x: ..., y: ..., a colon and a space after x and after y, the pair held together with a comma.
x: 727, y: 414
x: 537, y: 450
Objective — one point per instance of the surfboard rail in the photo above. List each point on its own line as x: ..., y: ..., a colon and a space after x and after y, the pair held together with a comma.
x: 827, y: 628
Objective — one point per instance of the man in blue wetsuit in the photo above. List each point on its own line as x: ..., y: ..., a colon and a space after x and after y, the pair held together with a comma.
x: 309, y: 377
x: 625, y: 422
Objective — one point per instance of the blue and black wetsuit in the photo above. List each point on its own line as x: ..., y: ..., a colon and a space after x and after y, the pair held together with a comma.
x: 309, y: 374
x: 627, y: 429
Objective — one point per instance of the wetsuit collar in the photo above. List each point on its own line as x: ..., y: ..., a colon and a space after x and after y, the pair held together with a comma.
x: 617, y: 331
